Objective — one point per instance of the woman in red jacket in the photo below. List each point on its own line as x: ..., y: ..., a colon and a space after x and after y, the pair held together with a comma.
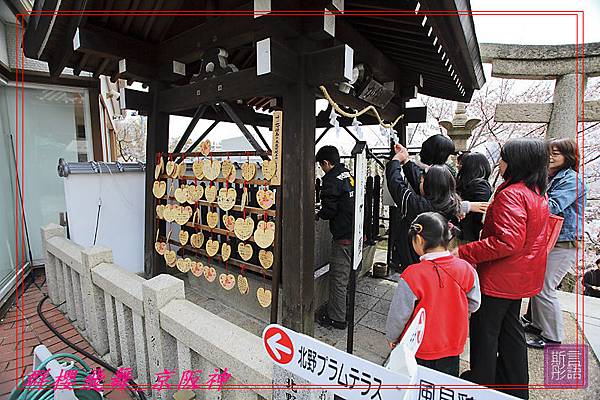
x: 510, y: 259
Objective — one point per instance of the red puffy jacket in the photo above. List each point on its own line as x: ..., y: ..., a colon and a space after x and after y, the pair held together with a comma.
x: 510, y: 257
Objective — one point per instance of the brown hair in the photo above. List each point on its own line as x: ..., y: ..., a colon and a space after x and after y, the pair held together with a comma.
x: 568, y: 148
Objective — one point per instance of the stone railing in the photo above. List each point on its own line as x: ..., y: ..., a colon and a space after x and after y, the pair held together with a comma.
x: 148, y: 325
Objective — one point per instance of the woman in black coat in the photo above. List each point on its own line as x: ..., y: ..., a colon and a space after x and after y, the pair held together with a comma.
x: 436, y: 192
x: 473, y: 187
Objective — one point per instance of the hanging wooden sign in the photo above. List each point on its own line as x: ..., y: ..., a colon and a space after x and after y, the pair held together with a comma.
x: 276, y: 155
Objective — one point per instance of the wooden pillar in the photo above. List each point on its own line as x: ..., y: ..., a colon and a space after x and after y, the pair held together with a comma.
x: 298, y: 222
x: 157, y: 141
x: 94, y: 93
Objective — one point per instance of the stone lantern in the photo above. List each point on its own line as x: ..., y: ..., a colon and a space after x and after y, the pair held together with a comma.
x: 460, y: 128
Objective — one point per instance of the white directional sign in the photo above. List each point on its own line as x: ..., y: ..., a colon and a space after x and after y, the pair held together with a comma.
x: 436, y: 385
x: 402, y: 358
x: 360, y: 182
x: 348, y: 376
x: 413, y: 336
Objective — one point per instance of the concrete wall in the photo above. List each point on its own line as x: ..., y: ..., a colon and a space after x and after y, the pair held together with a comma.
x: 148, y: 325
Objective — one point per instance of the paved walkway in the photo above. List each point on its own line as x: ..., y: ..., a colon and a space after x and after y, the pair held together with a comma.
x: 31, y: 332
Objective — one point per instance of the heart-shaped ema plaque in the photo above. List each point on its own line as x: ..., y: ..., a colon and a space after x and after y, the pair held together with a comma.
x: 212, y: 219
x: 265, y: 198
x: 212, y: 247
x: 264, y: 297
x: 227, y: 169
x: 209, y: 273
x: 160, y: 247
x: 265, y: 257
x: 264, y: 234
x: 183, y: 215
x: 160, y: 211
x: 227, y: 281
x: 159, y: 188
x: 226, y: 198
x: 171, y: 168
x: 170, y: 258
x: 181, y: 194
x: 229, y: 222
x: 211, y: 169
x: 198, y: 169
x: 184, y: 236
x: 187, y: 265
x: 243, y: 228
x: 269, y: 168
x: 181, y: 169
x: 169, y: 212
x: 243, y: 286
x: 205, y: 147
x: 225, y: 251
x: 245, y: 251
x: 197, y: 239
x: 210, y: 194
x: 248, y: 171
x: 158, y: 170
x: 197, y: 268
x: 194, y: 193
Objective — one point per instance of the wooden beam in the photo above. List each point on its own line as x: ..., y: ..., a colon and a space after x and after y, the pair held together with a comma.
x: 275, y: 59
x: 200, y: 138
x: 102, y: 42
x: 130, y: 99
x: 411, y: 115
x: 94, y: 94
x: 190, y: 128
x: 169, y: 72
x: 229, y: 111
x: 101, y: 67
x: 383, y: 68
x: 157, y: 142
x: 227, y: 32
x: 233, y: 86
x: 57, y: 60
x: 262, y: 138
x: 330, y: 65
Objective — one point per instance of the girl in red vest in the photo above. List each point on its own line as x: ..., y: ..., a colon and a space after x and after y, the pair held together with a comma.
x: 445, y: 286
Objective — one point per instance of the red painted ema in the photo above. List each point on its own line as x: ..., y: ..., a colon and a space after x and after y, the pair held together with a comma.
x: 278, y: 344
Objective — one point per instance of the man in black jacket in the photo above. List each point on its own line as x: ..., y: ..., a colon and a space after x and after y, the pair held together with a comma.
x: 337, y: 206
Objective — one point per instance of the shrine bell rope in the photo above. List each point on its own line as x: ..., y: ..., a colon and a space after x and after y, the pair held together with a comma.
x: 359, y: 113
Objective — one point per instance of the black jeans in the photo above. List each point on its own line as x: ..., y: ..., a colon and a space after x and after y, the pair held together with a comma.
x: 498, y: 347
x: 447, y: 365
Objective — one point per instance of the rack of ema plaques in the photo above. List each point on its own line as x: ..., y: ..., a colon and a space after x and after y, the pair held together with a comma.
x: 219, y: 217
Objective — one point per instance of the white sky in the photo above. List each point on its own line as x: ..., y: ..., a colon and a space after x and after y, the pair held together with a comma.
x: 536, y: 29
x: 518, y: 29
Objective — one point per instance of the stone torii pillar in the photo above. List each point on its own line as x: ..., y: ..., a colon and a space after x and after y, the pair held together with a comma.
x: 558, y: 62
x: 461, y: 127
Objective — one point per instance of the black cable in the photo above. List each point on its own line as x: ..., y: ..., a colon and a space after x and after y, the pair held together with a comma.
x: 97, y: 223
x: 133, y: 387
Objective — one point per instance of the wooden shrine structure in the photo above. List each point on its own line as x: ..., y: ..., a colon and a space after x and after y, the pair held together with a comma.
x: 226, y: 60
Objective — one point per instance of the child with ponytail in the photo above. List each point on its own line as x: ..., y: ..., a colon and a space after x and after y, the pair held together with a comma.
x: 445, y: 286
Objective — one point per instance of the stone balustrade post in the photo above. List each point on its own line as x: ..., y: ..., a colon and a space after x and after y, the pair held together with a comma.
x: 93, y: 298
x: 50, y: 231
x: 162, y: 347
